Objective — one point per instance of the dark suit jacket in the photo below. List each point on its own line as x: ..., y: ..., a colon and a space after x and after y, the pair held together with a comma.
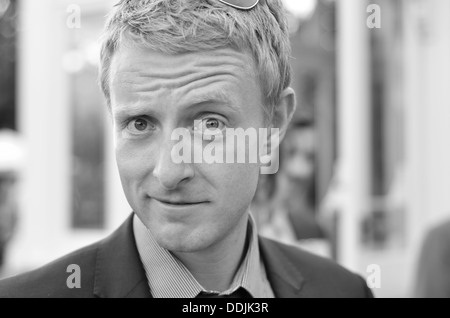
x: 112, y: 268
x: 433, y: 279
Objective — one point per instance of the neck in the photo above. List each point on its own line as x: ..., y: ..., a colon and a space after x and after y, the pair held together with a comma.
x: 215, y: 267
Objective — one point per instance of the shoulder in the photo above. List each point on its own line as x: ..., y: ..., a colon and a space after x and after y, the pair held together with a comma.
x: 320, y: 276
x: 51, y: 280
x: 439, y: 233
x: 435, y: 250
x: 309, y: 263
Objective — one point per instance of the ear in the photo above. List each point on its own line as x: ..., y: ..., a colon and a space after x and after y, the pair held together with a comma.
x: 284, y: 112
x: 282, y: 116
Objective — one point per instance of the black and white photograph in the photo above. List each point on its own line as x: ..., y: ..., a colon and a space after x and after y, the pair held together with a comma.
x: 325, y: 175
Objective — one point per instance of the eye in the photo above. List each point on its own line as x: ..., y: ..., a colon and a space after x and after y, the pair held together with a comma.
x: 209, y: 126
x: 212, y: 123
x: 139, y: 125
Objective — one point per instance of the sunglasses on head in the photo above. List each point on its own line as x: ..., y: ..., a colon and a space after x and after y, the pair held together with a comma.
x: 241, y: 4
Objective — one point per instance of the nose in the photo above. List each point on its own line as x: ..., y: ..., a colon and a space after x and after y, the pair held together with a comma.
x: 169, y: 173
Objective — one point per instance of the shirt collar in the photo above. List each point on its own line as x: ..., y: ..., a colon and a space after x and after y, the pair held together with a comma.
x: 169, y: 278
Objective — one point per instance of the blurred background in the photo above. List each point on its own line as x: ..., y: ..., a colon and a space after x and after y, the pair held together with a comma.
x: 364, y: 171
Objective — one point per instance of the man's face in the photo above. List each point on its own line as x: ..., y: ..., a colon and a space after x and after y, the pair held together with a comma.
x: 188, y: 207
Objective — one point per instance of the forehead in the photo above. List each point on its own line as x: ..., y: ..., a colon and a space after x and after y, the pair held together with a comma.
x: 170, y: 85
x: 147, y: 70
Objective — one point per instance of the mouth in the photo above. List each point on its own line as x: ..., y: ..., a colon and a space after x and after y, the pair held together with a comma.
x: 178, y: 203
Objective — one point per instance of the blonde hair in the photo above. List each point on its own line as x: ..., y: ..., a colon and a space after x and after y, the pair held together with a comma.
x: 181, y: 26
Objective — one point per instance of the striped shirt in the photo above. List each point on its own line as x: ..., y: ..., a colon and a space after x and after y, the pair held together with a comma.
x: 169, y: 278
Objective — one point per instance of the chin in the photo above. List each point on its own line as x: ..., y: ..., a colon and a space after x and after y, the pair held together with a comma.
x: 183, y: 246
x: 182, y: 240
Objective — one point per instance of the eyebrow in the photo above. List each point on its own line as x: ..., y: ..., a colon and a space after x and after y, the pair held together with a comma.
x: 130, y: 110
x: 213, y: 97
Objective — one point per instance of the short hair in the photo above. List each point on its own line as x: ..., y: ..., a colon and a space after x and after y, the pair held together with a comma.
x: 182, y: 26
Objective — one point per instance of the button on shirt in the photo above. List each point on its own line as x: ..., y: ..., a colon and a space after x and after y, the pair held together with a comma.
x: 169, y: 278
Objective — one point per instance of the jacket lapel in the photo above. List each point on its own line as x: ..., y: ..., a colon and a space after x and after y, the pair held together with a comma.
x: 284, y: 277
x: 119, y: 272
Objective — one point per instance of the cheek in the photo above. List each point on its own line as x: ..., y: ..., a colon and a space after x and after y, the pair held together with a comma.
x: 131, y: 163
x: 237, y: 183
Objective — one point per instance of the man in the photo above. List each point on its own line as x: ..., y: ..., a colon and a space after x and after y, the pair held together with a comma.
x: 205, y: 67
x: 432, y: 280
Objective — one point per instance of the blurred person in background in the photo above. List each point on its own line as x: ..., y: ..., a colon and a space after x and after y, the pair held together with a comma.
x: 297, y: 180
x: 292, y: 218
x: 433, y: 278
x: 204, y: 66
x: 10, y: 160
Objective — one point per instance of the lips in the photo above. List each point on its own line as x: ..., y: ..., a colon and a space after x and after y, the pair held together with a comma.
x: 178, y: 202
